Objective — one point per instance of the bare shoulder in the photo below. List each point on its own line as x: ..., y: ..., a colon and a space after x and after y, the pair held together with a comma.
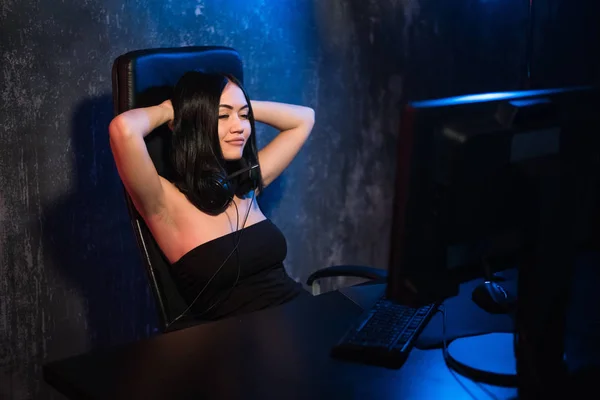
x: 181, y: 227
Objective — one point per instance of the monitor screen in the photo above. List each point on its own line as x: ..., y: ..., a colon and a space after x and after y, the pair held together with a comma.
x: 484, y: 178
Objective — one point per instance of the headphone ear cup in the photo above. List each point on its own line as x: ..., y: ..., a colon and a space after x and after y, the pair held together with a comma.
x: 215, y: 194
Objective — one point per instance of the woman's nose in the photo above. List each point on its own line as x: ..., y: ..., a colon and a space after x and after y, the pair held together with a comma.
x: 236, y: 125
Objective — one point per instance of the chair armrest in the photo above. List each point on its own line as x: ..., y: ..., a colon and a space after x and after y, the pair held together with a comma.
x: 358, y: 271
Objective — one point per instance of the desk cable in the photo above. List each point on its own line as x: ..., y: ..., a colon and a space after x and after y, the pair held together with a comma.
x: 442, y: 311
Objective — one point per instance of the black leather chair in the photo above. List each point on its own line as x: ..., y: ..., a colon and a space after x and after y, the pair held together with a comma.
x: 146, y: 77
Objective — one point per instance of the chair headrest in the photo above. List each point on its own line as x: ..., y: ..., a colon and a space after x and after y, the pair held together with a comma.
x: 142, y: 71
x: 145, y: 78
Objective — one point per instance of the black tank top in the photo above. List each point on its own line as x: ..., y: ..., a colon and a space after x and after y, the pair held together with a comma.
x: 234, y: 282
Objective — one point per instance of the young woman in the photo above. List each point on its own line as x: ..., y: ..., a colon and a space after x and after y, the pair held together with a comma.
x: 226, y: 258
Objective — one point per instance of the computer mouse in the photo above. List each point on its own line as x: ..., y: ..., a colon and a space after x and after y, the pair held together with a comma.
x: 493, y: 298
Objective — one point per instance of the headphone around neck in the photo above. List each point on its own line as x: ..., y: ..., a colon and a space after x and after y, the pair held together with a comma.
x: 217, y: 190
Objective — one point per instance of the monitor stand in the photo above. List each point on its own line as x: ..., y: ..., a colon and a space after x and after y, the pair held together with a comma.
x: 488, y: 358
x: 536, y: 351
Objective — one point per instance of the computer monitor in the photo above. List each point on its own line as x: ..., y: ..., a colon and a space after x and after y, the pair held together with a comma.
x: 482, y: 179
x: 503, y: 180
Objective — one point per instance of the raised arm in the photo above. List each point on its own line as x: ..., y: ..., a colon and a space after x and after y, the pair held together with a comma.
x: 135, y: 167
x: 294, y: 123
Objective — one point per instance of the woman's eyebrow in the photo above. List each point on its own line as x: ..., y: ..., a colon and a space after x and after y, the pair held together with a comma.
x: 231, y: 108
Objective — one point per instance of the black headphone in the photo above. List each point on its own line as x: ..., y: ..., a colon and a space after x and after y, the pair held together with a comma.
x: 217, y: 190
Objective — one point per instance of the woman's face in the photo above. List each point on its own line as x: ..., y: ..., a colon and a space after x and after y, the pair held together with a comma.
x: 234, y: 125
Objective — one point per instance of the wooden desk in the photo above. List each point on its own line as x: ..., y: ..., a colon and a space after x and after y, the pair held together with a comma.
x: 280, y: 353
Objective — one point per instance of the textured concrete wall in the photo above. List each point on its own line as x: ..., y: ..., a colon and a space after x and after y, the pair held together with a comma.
x: 70, y: 276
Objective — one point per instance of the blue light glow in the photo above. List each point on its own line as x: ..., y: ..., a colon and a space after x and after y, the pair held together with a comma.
x: 483, y: 97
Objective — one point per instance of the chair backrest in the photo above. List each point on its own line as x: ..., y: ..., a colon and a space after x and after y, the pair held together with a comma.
x: 143, y: 78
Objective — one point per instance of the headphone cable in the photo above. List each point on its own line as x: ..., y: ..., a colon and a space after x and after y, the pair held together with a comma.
x: 235, y: 249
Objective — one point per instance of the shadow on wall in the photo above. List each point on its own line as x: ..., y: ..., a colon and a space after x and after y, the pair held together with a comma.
x: 91, y: 239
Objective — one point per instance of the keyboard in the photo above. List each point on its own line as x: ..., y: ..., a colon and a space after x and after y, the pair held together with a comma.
x: 384, y: 335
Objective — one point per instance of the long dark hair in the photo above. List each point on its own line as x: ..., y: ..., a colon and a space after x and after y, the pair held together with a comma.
x: 196, y: 150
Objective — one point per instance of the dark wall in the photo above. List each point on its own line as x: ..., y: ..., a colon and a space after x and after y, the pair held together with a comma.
x: 70, y: 275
